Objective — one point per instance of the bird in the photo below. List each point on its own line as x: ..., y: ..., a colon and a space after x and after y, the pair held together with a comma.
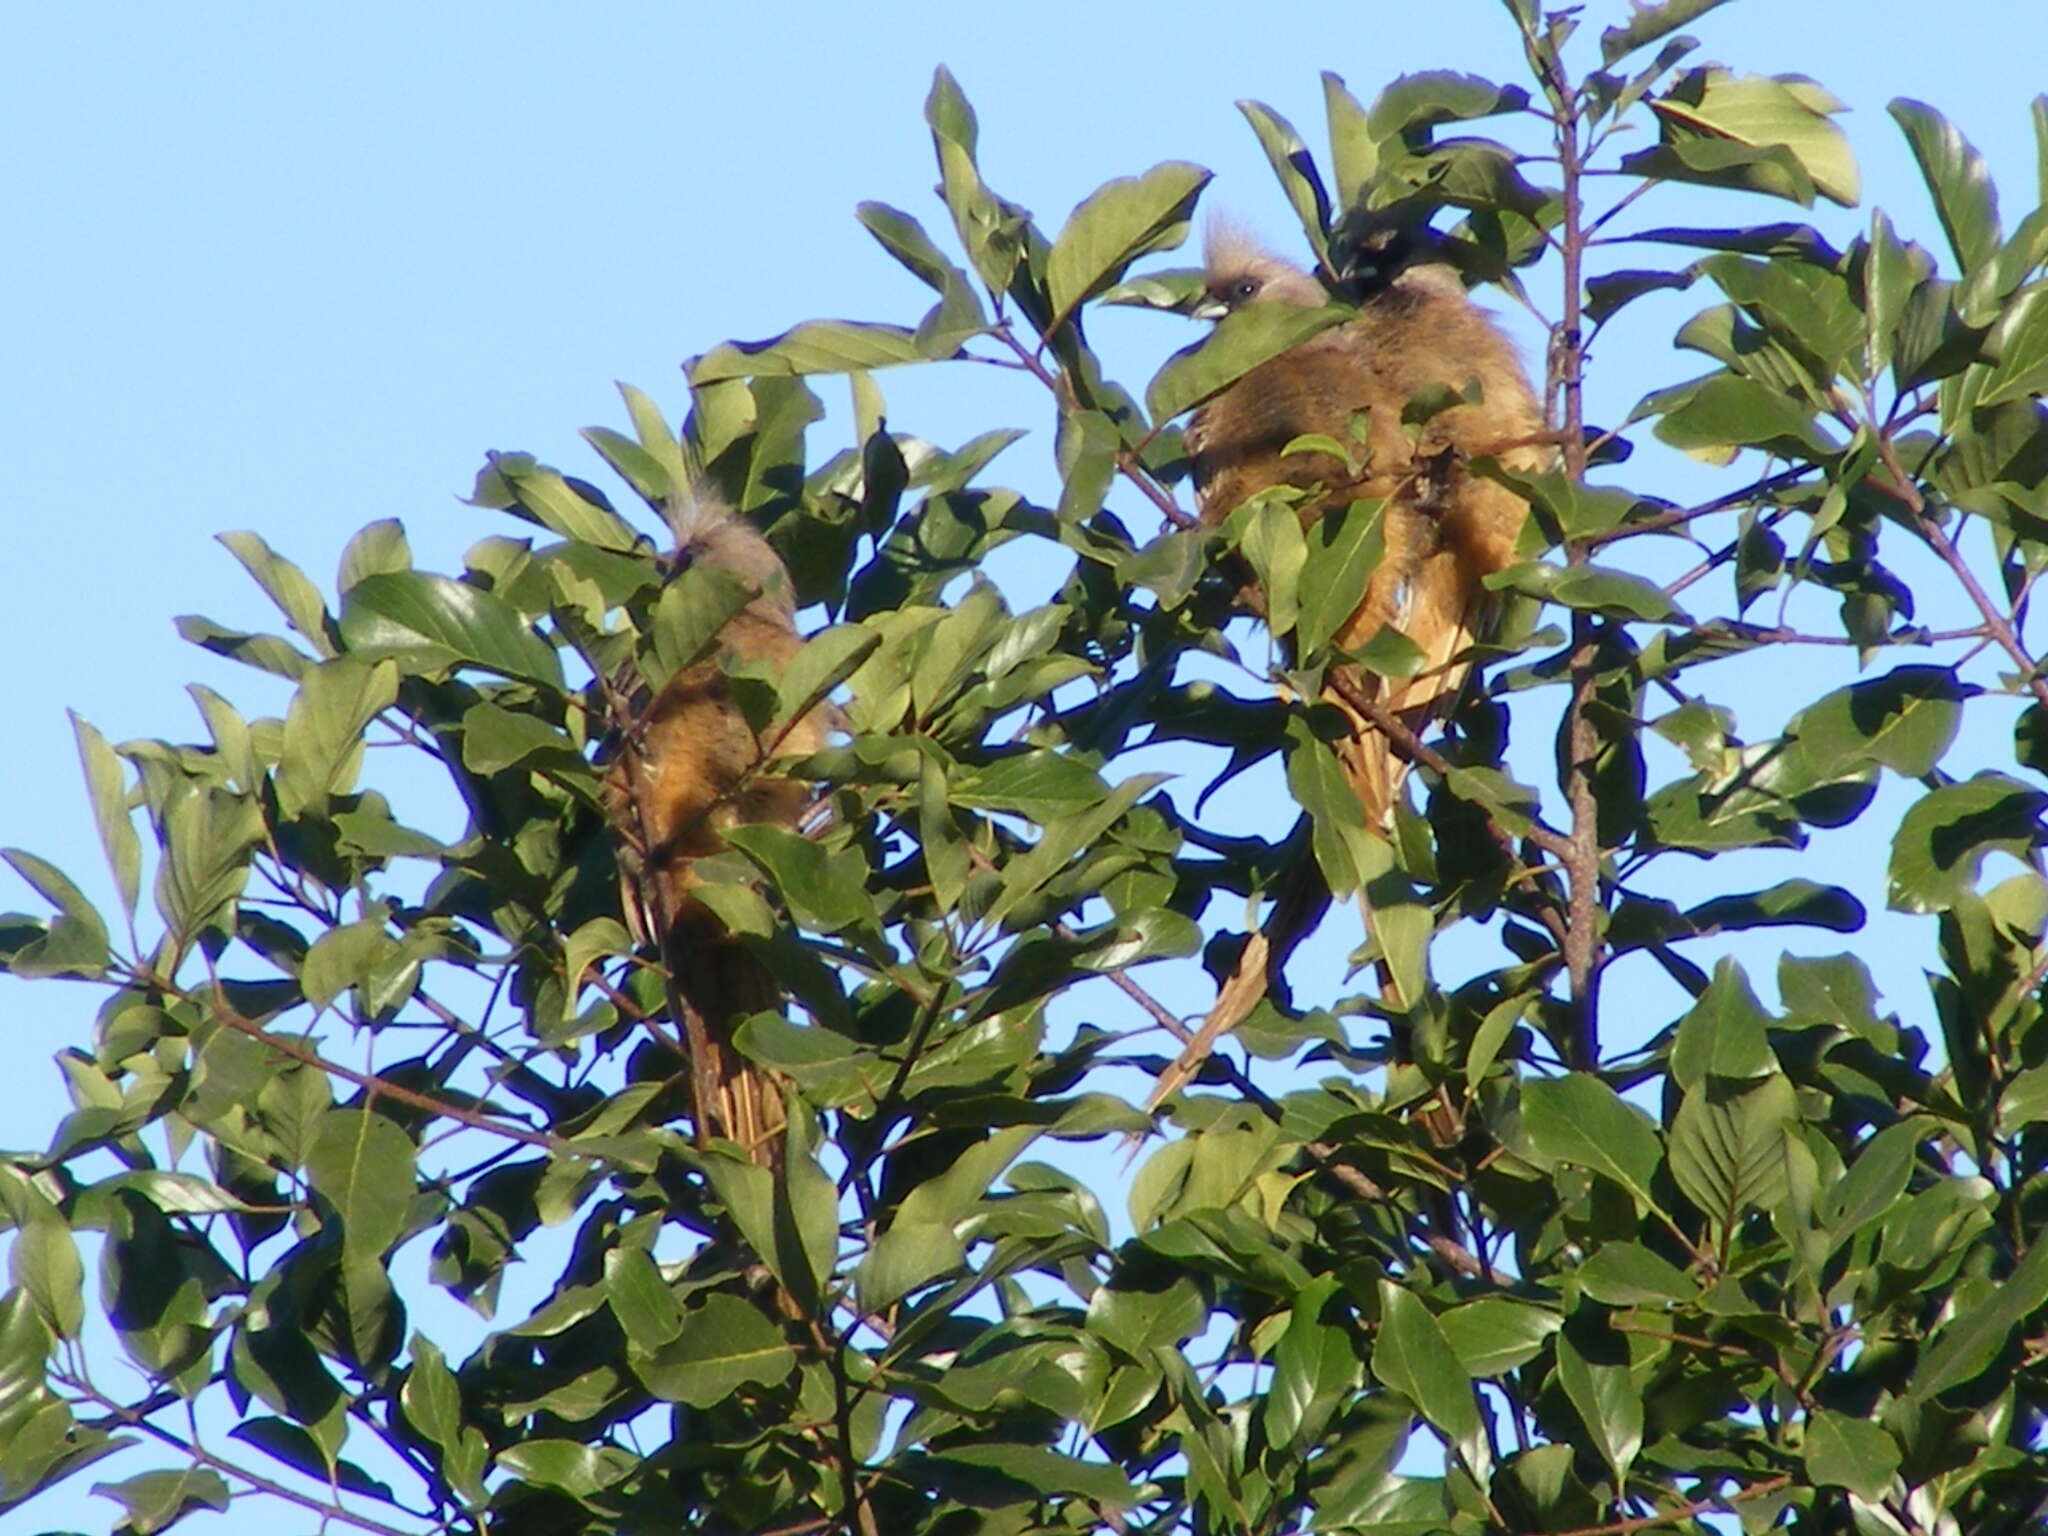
x: 686, y: 767
x: 1445, y: 529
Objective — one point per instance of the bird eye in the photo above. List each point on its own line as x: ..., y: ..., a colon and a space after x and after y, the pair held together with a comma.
x: 1246, y: 288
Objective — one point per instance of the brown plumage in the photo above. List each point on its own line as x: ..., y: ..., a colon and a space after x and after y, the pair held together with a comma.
x: 687, y: 768
x: 1445, y: 528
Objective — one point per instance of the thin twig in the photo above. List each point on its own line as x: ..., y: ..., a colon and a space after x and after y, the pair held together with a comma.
x: 369, y: 1082
x: 1684, y: 1512
x: 205, y: 1458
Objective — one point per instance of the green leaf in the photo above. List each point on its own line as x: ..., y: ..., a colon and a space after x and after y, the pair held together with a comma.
x: 1042, y: 1473
x: 816, y: 346
x: 1722, y: 1034
x: 1354, y: 153
x: 958, y: 314
x: 640, y: 1299
x: 433, y: 1402
x: 1135, y: 1315
x: 1057, y: 844
x: 494, y: 739
x: 1789, y: 903
x: 377, y: 549
x: 1957, y: 180
x: 1120, y: 221
x: 297, y: 1449
x: 1969, y: 1341
x: 344, y: 957
x: 361, y: 1163
x: 1906, y: 720
x: 1725, y: 412
x: 1338, y: 832
x: 1243, y: 340
x: 909, y: 1255
x: 1409, y: 105
x: 2020, y: 342
x: 992, y: 231
x: 1295, y: 170
x: 516, y: 483
x: 75, y: 944
x: 104, y: 782
x: 1856, y: 1454
x: 826, y: 890
x: 1646, y: 24
x: 1728, y: 1147
x: 948, y: 1198
x: 285, y: 585
x: 1771, y: 169
x: 1493, y: 1335
x: 1313, y: 1368
x: 157, y: 1500
x: 1630, y: 1275
x: 1608, y: 293
x: 1269, y: 533
x: 266, y: 653
x: 1889, y: 275
x: 1762, y: 113
x: 1345, y: 546
x: 430, y: 623
x: 207, y: 838
x: 43, y: 1260
x: 323, y: 730
x: 579, y: 1470
x: 1607, y: 1402
x: 1942, y: 842
x: 1413, y: 1357
x: 1871, y: 1186
x: 657, y: 438
x: 1580, y: 1120
x: 725, y: 1344
x: 828, y: 658
x: 1596, y: 589
x: 1042, y: 785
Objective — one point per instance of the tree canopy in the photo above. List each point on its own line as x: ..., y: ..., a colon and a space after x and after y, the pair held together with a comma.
x: 1528, y: 1253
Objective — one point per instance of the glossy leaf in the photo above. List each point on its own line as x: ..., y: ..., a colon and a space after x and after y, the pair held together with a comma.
x: 429, y: 623
x: 1115, y: 225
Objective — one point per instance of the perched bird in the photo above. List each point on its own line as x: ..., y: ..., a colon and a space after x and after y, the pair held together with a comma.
x: 1445, y: 528
x: 688, y: 767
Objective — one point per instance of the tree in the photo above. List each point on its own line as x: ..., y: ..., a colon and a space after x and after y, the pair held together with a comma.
x: 1570, y: 1270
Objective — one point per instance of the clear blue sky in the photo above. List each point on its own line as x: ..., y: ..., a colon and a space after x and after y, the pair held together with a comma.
x: 296, y: 268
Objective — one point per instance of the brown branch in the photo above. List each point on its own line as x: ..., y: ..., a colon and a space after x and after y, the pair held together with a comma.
x: 1326, y: 1154
x: 1719, y: 557
x: 1937, y: 537
x: 205, y: 1458
x: 1685, y: 1512
x: 1581, y: 857
x: 369, y: 1082
x: 1678, y: 517
x: 1411, y: 746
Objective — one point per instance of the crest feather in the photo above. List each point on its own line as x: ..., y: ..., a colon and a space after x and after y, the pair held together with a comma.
x: 1231, y: 252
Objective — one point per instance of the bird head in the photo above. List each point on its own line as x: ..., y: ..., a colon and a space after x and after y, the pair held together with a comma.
x: 1237, y: 271
x: 708, y: 533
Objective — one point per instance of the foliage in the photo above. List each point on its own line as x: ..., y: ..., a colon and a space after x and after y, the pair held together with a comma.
x: 1780, y: 1262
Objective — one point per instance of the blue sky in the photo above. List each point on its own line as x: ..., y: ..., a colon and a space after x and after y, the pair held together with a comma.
x: 297, y: 268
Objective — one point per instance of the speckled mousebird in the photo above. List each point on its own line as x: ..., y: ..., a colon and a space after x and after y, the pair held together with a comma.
x: 1445, y: 528
x: 688, y: 768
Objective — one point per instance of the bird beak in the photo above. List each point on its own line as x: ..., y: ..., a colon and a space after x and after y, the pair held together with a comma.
x: 1210, y: 309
